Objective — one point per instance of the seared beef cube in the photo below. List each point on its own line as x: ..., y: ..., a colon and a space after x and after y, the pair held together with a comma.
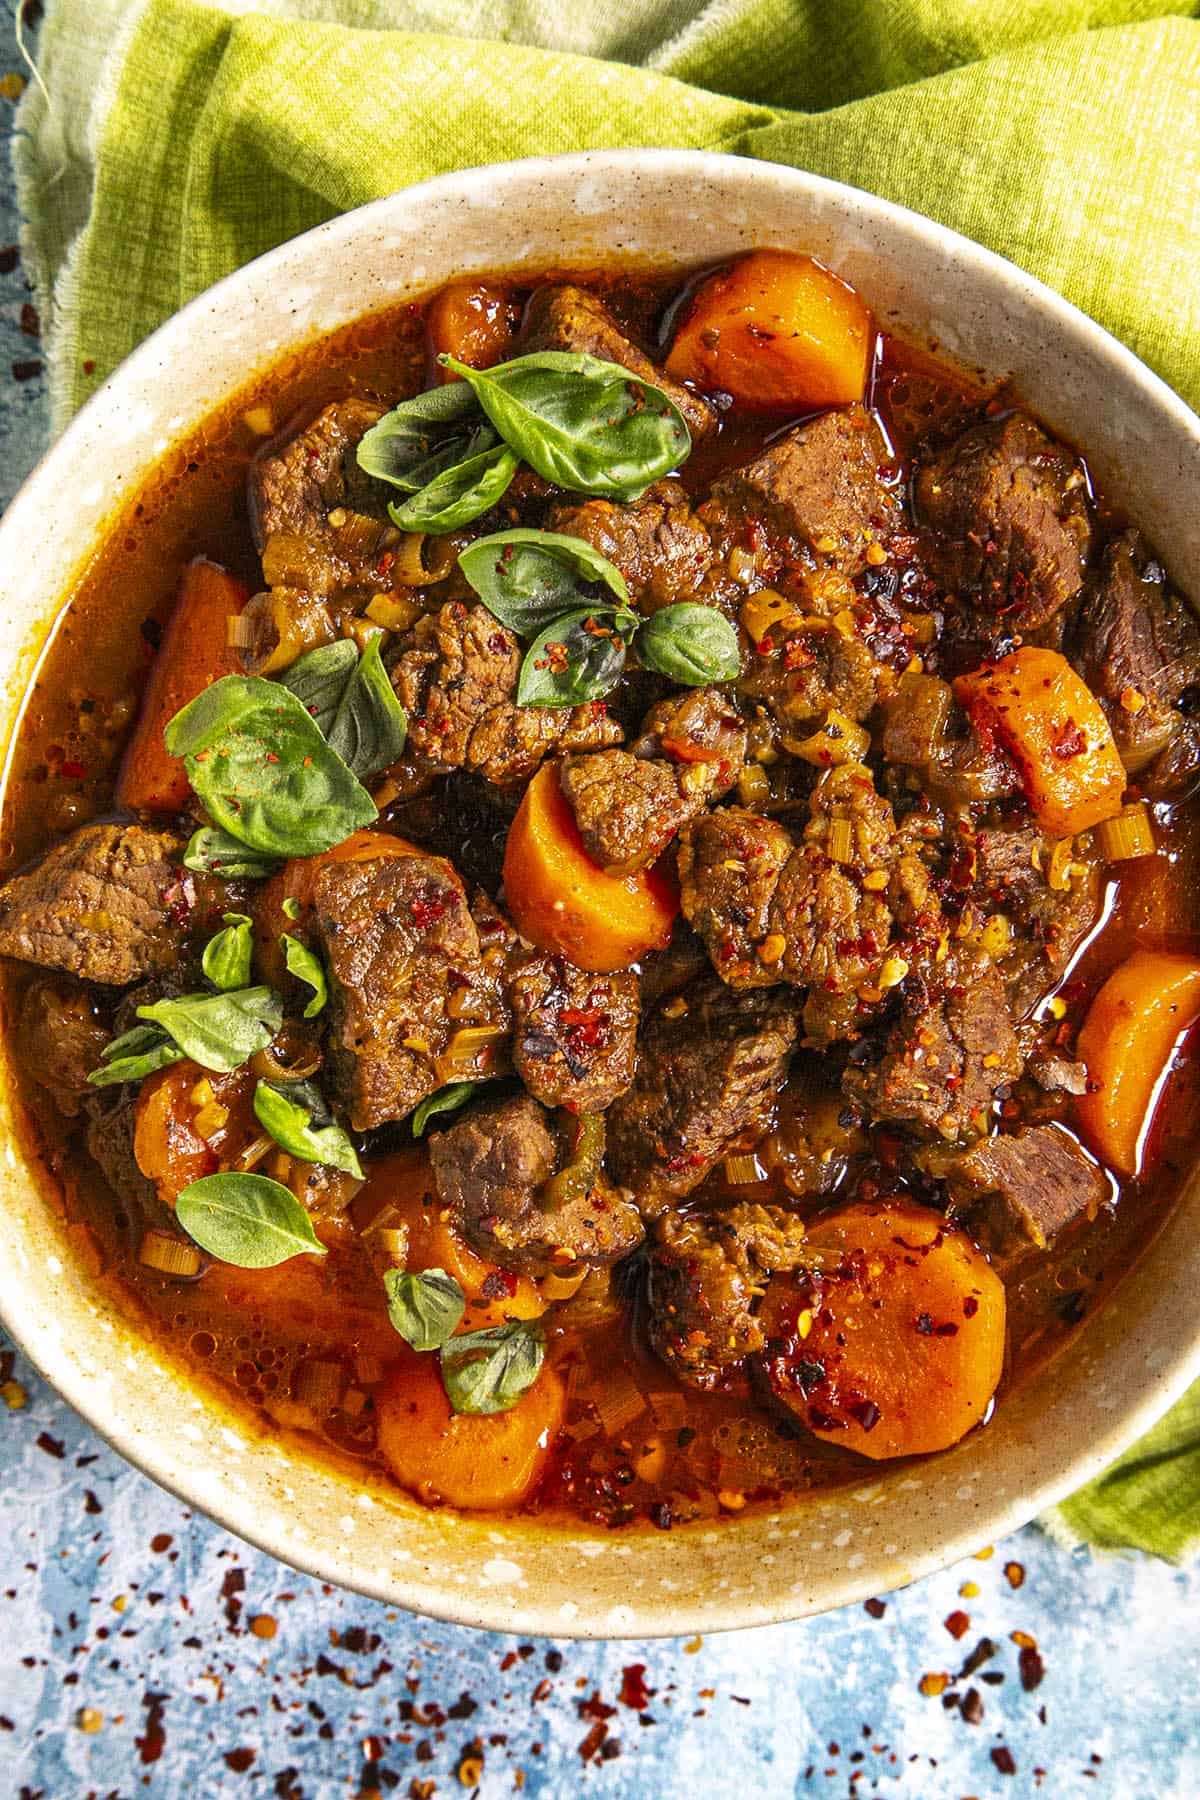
x: 112, y: 1117
x: 924, y: 728
x: 947, y: 1057
x: 503, y: 1172
x: 457, y: 681
x: 627, y: 809
x: 108, y: 905
x: 59, y: 1040
x: 657, y: 542
x: 667, y: 972
x: 400, y: 943
x: 295, y: 488
x: 707, y: 1273
x: 709, y: 1067
x: 805, y: 677
x: 1028, y: 1187
x: 1138, y: 648
x: 730, y: 862
x: 822, y: 484
x: 574, y: 1033
x: 569, y: 318
x: 1008, y: 522
x: 700, y: 728
x: 1050, y: 902
x: 1057, y: 1074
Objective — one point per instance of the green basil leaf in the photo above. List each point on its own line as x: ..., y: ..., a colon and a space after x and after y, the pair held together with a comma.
x: 318, y: 679
x: 212, y: 852
x: 529, y: 578
x: 447, y: 1099
x: 424, y: 1305
x: 291, y: 1123
x: 581, y: 423
x: 488, y: 1371
x: 255, y: 757
x: 576, y: 658
x: 219, y: 1031
x: 134, y: 1055
x: 226, y: 959
x: 305, y: 966
x: 370, y: 725
x: 413, y: 443
x: 458, y: 494
x: 690, y: 644
x: 247, y: 1220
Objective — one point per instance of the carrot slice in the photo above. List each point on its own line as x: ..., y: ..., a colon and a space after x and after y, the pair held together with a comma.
x: 562, y: 901
x: 194, y: 653
x: 488, y: 1462
x: 473, y: 322
x: 891, y: 1343
x: 174, y: 1142
x: 775, y: 329
x: 1038, y: 709
x: 1127, y: 1041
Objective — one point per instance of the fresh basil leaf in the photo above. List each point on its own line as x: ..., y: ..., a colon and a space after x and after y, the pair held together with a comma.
x: 458, y: 494
x: 528, y: 578
x: 306, y: 967
x: 447, y: 1099
x: 134, y: 1055
x: 488, y: 1371
x: 690, y: 644
x: 424, y: 1305
x: 578, y: 657
x: 247, y: 1220
x: 369, y: 727
x: 290, y: 1122
x: 219, y: 1031
x: 413, y: 443
x: 226, y: 959
x: 258, y: 762
x: 582, y: 423
x: 212, y: 852
x: 318, y: 680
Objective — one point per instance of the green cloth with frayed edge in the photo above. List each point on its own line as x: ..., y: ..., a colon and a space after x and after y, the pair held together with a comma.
x: 173, y: 141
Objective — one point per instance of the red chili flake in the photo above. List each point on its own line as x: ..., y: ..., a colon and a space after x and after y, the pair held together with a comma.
x: 9, y: 258
x: 239, y: 1760
x: 52, y: 1446
x: 634, y: 1692
x: 972, y: 1707
x: 154, y: 1740
x: 864, y: 1413
x: 876, y: 1608
x: 1004, y: 1760
x: 1014, y: 1574
x: 31, y: 325
x: 75, y: 770
x: 26, y: 370
x: 1069, y: 741
x: 946, y: 1330
x: 595, y: 1708
x: 1031, y: 1667
x: 925, y: 1324
x: 970, y: 1307
x: 957, y: 1623
x: 427, y: 912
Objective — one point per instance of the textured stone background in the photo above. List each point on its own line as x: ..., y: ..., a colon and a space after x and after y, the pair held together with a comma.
x: 144, y: 1650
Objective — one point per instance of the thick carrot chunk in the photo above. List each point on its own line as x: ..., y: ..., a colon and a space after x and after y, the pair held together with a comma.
x: 488, y: 1462
x: 1037, y: 708
x: 775, y: 330
x: 560, y: 900
x: 194, y: 653
x: 1128, y: 1037
x: 473, y: 322
x: 891, y: 1342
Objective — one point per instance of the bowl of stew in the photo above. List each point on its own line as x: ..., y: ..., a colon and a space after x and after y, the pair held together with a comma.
x: 599, y: 931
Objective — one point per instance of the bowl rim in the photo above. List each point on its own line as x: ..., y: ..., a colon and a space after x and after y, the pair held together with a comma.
x: 660, y: 1616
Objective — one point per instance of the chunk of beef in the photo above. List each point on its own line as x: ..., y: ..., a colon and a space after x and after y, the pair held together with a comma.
x: 708, y: 1071
x: 569, y: 318
x: 110, y: 904
x: 1008, y: 523
x: 294, y: 489
x: 1057, y: 1074
x: 400, y: 943
x: 112, y: 1117
x: 819, y: 670
x: 1049, y: 899
x: 702, y: 728
x: 924, y: 728
x: 822, y: 484
x: 574, y: 1033
x: 1026, y: 1187
x: 730, y: 862
x: 949, y: 1054
x: 59, y: 1039
x: 505, y: 1174
x: 707, y: 1273
x: 456, y: 678
x: 660, y: 546
x: 1137, y: 645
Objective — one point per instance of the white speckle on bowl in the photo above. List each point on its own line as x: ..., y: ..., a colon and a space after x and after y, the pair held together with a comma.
x: 842, y: 1539
x: 347, y: 1525
x: 365, y: 1502
x: 193, y: 1433
x: 568, y: 1611
x: 501, y: 1571
x: 620, y: 1618
x: 54, y: 1266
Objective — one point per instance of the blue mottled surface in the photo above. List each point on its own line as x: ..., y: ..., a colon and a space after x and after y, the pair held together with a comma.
x: 123, y: 1612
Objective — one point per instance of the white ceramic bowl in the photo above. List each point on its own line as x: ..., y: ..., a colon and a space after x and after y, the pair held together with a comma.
x: 1129, y: 1363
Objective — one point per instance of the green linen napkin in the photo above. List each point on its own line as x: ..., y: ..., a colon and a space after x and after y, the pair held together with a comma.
x: 165, y: 142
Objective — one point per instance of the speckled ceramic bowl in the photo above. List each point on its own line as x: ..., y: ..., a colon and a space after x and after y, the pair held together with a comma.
x: 1110, y: 1385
